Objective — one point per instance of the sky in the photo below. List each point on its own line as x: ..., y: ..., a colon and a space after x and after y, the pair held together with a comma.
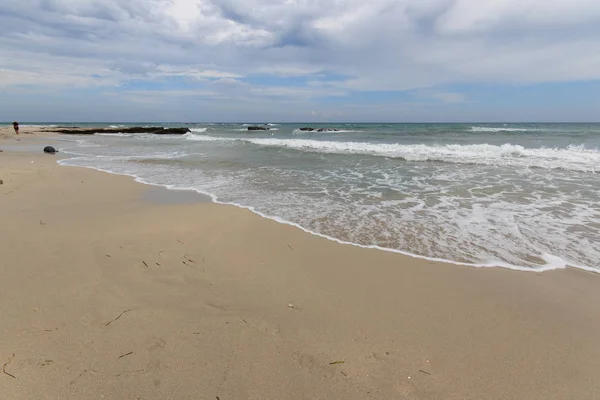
x: 300, y: 60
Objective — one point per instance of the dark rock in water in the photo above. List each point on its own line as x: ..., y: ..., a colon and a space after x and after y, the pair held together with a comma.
x: 171, y: 131
x: 307, y: 129
x: 49, y: 149
x: 157, y: 130
x: 257, y: 128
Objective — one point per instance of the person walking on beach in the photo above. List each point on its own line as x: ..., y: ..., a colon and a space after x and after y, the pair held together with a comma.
x: 16, y: 126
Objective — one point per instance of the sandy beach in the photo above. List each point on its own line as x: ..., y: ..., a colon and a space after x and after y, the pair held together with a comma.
x: 112, y: 289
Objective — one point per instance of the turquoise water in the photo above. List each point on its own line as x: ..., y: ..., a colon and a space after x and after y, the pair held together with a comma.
x: 523, y: 196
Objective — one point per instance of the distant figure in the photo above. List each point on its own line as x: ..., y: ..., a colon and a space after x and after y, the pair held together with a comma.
x: 16, y: 126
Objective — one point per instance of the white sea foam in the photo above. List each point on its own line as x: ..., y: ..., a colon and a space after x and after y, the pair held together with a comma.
x: 198, y: 130
x: 116, y: 126
x: 500, y: 129
x: 204, y: 138
x: 576, y: 158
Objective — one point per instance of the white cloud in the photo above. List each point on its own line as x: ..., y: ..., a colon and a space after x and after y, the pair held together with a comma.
x: 378, y: 45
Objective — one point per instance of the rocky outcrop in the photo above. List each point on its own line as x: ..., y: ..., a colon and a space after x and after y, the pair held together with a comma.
x: 258, y: 128
x: 307, y: 129
x: 156, y: 130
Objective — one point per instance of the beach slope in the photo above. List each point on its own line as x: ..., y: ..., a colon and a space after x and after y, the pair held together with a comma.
x: 108, y: 295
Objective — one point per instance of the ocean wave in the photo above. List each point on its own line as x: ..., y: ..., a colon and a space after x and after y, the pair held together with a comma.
x: 501, y: 129
x: 204, y: 138
x: 198, y: 130
x: 116, y: 134
x: 575, y: 158
x: 483, y: 231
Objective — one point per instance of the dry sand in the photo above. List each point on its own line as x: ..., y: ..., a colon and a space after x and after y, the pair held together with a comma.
x: 107, y: 295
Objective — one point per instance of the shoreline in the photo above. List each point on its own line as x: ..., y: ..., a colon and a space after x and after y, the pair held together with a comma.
x: 214, y: 199
x: 220, y: 302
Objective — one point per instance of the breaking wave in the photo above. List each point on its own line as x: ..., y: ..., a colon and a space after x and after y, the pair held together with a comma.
x: 576, y: 158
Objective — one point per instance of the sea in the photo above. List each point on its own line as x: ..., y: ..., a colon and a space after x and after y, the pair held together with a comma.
x: 519, y: 196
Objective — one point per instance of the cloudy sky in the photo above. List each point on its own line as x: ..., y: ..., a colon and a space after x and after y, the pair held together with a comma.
x: 300, y: 60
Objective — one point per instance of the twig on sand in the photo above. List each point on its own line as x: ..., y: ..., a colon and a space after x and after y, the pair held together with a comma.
x: 4, y: 367
x: 180, y: 241
x: 119, y: 316
x: 145, y: 264
x: 336, y: 362
x: 290, y: 246
x: 244, y: 321
x: 126, y: 354
x: 425, y: 372
x: 343, y: 373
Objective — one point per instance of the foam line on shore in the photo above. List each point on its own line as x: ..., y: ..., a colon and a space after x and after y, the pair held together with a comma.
x: 214, y: 199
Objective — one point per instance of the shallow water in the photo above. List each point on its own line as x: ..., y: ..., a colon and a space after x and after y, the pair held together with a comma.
x: 524, y: 196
